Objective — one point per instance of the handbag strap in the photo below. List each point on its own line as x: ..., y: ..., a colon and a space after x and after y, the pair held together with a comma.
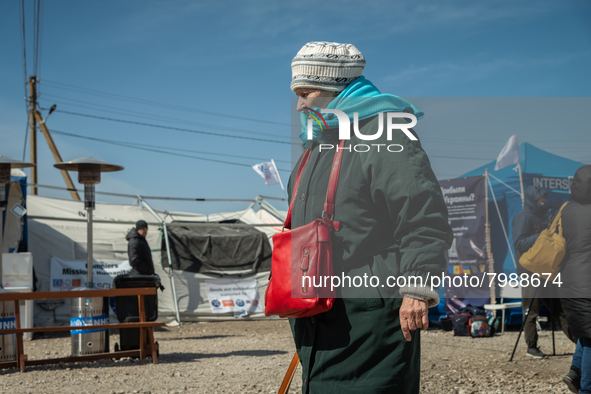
x: 296, y: 183
x: 334, y: 180
x: 559, y: 217
x: 558, y: 220
x: 284, y: 389
x: 332, y: 183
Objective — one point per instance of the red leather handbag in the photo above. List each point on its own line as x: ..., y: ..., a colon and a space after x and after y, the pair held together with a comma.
x: 304, y: 251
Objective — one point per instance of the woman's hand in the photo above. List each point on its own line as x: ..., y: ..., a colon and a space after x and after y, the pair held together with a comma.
x: 413, y: 315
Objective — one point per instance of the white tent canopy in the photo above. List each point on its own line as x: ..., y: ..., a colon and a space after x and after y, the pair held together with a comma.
x: 57, y: 228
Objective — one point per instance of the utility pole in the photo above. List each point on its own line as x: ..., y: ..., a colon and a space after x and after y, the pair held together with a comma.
x: 33, y: 125
x: 56, y: 155
x: 34, y: 118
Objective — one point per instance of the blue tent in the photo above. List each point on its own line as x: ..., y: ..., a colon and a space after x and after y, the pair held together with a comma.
x: 539, y: 168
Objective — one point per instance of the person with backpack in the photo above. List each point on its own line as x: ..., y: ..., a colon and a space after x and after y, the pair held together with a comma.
x: 575, y: 291
x: 527, y: 227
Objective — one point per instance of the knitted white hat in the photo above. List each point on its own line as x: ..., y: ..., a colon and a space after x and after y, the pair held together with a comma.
x: 326, y: 65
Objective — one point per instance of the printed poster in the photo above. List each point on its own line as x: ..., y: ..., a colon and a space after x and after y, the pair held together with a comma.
x: 465, y: 199
x: 240, y: 296
x: 72, y: 275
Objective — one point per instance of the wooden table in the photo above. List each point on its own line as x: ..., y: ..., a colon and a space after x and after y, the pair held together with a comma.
x: 147, y: 345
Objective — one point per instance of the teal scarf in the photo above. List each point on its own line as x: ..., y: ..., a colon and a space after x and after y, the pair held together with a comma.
x: 358, y: 89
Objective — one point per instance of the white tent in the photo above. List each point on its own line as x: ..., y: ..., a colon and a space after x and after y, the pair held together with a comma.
x: 57, y: 228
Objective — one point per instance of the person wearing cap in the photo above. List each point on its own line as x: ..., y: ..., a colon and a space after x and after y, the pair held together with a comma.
x: 393, y: 222
x: 138, y: 250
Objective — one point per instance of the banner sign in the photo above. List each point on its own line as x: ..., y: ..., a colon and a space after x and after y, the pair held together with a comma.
x: 8, y: 323
x: 560, y: 184
x: 240, y: 296
x: 68, y: 275
x: 465, y: 201
x: 96, y: 320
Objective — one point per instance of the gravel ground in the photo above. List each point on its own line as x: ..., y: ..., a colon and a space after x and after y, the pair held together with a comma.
x: 252, y: 357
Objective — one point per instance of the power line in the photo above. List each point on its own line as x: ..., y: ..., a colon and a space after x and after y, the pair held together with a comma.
x: 26, y: 139
x: 119, y: 111
x: 155, y: 103
x: 24, y: 41
x: 35, y: 34
x: 225, y: 135
x: 168, y: 198
x: 459, y: 157
x: 171, y: 128
x: 24, y: 45
x: 128, y: 145
x: 38, y: 35
x: 162, y: 147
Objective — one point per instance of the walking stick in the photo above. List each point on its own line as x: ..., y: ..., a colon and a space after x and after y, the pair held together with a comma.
x: 284, y: 389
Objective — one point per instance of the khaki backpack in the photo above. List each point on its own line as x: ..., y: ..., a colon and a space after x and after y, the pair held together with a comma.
x: 548, y: 251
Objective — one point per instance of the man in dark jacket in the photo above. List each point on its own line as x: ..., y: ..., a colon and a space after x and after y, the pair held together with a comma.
x: 575, y: 291
x: 527, y: 226
x: 140, y: 255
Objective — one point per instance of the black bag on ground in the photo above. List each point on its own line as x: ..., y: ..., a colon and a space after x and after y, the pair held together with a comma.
x: 473, y: 310
x: 127, y: 307
x: 461, y: 323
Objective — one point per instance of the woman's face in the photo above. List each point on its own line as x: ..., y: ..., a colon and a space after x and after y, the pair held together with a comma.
x: 309, y: 98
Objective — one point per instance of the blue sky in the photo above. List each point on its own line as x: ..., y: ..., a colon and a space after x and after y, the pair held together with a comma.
x: 226, y: 61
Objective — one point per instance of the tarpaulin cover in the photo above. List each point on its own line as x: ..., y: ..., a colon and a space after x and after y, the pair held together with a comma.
x: 218, y: 250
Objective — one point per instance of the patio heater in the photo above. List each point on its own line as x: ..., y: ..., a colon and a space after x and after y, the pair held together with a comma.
x: 89, y: 311
x: 8, y: 341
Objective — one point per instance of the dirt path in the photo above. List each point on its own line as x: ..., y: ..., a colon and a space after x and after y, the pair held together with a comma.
x: 252, y: 357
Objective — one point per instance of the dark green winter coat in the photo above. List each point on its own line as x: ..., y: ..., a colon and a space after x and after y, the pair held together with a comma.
x: 393, y: 221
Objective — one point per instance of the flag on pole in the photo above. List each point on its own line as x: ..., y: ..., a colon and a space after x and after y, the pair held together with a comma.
x: 268, y: 171
x: 509, y: 155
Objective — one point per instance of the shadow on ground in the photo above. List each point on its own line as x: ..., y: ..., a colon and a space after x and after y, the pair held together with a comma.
x: 188, y: 357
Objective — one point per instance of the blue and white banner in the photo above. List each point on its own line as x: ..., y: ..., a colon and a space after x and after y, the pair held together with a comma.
x: 240, y: 296
x: 70, y: 275
x: 7, y: 324
x: 96, y: 320
x: 268, y: 171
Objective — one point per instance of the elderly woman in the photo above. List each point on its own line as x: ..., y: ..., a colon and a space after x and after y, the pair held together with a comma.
x: 393, y: 222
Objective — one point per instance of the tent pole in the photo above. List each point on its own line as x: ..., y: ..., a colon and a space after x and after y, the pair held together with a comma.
x: 171, y: 273
x: 251, y: 206
x: 502, y: 224
x: 170, y: 270
x: 280, y: 182
x: 491, y: 263
x: 270, y: 208
x: 521, y: 183
x: 503, y: 183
